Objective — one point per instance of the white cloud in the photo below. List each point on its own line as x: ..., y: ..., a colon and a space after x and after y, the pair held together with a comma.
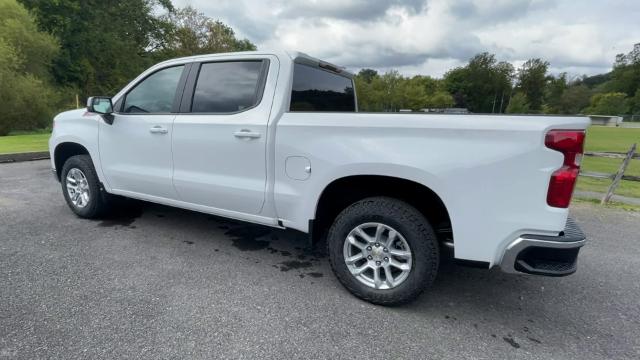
x: 432, y: 36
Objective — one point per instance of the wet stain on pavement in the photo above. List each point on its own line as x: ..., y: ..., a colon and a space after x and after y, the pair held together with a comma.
x: 294, y: 265
x: 245, y: 238
x: 249, y: 245
x: 188, y: 242
x: 315, y: 274
x: 511, y: 341
x: 534, y: 340
x: 125, y: 214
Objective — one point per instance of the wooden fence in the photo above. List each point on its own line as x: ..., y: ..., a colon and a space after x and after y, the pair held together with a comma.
x: 619, y: 175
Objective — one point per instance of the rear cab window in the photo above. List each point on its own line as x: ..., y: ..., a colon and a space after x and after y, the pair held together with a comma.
x: 316, y: 89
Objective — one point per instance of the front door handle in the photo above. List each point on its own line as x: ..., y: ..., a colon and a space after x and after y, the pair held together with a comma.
x: 246, y: 134
x: 158, y: 130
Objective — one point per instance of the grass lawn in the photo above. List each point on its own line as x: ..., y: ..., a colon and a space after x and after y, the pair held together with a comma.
x: 626, y: 188
x: 610, y: 139
x: 24, y: 143
x: 606, y: 165
x: 611, y: 204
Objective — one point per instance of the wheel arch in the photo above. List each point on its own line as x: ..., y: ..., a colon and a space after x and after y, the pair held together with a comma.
x: 64, y: 151
x: 346, y: 190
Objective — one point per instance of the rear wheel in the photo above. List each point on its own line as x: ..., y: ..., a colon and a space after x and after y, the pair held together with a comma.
x: 81, y: 188
x: 383, y: 250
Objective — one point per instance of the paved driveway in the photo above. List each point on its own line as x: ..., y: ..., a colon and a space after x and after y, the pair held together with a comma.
x: 163, y: 283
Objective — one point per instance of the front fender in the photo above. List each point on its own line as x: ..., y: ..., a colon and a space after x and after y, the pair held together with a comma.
x: 82, y: 128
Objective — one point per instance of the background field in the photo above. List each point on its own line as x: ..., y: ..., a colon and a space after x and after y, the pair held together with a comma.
x: 598, y: 139
x: 18, y: 143
x: 610, y: 139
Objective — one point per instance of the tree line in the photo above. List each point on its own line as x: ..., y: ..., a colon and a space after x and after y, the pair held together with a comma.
x: 486, y: 85
x: 52, y: 52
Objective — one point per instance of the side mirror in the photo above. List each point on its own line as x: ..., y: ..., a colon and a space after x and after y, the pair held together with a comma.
x: 101, y: 105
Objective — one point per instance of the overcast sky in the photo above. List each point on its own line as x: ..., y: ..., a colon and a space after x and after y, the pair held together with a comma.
x: 429, y: 37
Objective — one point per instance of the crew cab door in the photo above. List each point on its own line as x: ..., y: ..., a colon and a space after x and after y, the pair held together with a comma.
x: 135, y: 150
x: 220, y: 135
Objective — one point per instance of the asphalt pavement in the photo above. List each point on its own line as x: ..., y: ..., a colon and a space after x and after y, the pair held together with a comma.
x: 161, y: 283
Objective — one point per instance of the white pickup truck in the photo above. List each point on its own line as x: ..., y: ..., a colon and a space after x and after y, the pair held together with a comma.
x: 275, y: 138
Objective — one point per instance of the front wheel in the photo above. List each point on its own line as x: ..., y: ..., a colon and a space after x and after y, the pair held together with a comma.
x: 81, y: 188
x: 383, y: 250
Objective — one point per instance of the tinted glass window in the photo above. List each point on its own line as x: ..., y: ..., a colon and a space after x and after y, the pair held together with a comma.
x: 317, y: 90
x: 226, y: 87
x: 154, y: 94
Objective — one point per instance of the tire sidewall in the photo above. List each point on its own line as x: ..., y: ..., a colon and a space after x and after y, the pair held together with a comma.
x: 83, y: 164
x: 414, y: 228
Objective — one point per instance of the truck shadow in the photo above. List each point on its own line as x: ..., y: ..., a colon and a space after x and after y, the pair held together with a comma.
x: 458, y: 287
x: 515, y: 310
x: 245, y: 237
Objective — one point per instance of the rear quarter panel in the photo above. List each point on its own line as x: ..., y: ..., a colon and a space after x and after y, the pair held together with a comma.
x: 491, y: 172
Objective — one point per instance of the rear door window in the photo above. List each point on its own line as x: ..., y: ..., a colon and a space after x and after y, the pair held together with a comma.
x: 227, y: 87
x: 315, y: 89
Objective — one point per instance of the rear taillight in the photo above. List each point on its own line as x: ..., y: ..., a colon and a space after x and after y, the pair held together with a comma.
x: 563, y: 180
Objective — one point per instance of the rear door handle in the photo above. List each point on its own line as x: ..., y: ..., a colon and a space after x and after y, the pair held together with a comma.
x: 246, y: 134
x: 158, y: 130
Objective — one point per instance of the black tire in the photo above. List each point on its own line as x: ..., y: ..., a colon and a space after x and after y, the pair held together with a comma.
x: 405, y: 219
x: 99, y: 200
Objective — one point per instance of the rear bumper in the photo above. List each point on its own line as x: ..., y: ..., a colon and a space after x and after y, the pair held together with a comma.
x: 545, y: 255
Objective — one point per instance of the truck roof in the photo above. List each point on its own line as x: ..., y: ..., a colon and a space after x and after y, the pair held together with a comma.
x: 294, y: 56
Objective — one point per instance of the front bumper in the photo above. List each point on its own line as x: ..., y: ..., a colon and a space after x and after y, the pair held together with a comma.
x: 545, y: 255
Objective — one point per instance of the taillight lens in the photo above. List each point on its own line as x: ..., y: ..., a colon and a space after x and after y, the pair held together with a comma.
x: 563, y: 180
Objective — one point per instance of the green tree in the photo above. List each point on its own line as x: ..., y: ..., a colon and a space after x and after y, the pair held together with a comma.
x: 27, y: 99
x: 193, y: 33
x: 532, y: 77
x: 518, y: 104
x: 625, y: 76
x: 608, y: 104
x: 369, y: 91
x: 18, y: 29
x: 392, y: 92
x: 440, y: 100
x: 389, y: 88
x: 555, y: 88
x: 481, y: 85
x: 367, y: 75
x: 104, y: 44
x: 574, y: 100
x: 634, y: 103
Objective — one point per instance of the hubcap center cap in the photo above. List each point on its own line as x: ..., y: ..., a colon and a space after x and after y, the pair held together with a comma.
x: 376, y: 252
